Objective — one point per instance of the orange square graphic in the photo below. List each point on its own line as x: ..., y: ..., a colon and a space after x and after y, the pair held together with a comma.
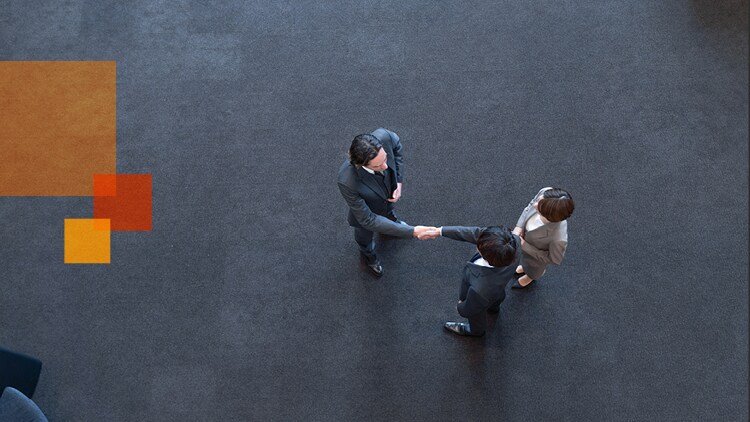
x: 87, y: 241
x: 130, y: 208
x: 102, y: 225
x: 57, y: 126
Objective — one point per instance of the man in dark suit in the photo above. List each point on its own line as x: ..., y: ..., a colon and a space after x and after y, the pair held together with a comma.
x: 485, y: 275
x: 370, y: 182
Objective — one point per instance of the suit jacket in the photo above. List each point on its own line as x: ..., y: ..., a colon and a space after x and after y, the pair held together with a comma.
x: 367, y: 201
x: 544, y: 245
x: 481, y: 287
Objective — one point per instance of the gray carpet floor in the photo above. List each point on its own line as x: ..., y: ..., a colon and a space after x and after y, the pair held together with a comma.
x: 247, y: 300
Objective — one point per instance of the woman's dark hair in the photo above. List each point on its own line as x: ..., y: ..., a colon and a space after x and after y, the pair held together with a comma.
x: 556, y: 205
x: 364, y: 148
x: 498, y: 246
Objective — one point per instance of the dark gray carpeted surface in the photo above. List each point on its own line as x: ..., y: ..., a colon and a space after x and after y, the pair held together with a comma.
x: 246, y: 301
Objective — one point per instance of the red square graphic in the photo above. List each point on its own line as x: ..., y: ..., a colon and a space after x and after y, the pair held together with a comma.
x: 125, y: 199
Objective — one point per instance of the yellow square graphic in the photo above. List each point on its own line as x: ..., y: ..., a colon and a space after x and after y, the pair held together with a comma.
x: 57, y: 126
x: 87, y: 241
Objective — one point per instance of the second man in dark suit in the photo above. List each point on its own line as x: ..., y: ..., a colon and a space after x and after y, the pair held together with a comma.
x: 485, y: 275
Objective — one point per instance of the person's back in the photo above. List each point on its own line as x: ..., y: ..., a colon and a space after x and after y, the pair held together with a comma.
x: 485, y: 275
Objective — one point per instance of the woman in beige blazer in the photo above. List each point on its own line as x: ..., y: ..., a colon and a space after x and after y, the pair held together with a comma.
x: 543, y: 232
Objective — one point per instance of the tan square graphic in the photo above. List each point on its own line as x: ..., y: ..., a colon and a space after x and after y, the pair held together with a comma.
x: 57, y: 127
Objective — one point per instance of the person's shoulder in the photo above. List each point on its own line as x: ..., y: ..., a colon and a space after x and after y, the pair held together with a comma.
x: 384, y: 135
x: 381, y: 133
x: 347, y: 173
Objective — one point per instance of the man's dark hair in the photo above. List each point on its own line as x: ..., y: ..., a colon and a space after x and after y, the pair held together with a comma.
x: 556, y: 205
x: 498, y: 246
x: 364, y: 148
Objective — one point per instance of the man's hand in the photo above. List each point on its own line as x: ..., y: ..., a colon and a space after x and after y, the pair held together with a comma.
x: 432, y: 233
x: 396, y: 193
x: 426, y: 232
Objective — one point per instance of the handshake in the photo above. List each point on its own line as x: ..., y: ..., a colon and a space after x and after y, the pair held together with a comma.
x: 426, y: 232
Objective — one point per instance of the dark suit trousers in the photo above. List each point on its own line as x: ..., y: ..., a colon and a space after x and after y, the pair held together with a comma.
x: 478, y: 322
x: 363, y: 237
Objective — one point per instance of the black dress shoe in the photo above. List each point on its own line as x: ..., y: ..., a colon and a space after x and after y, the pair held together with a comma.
x: 517, y: 285
x: 376, y: 268
x: 460, y: 328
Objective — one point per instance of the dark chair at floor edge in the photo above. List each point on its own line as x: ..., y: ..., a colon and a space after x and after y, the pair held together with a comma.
x: 16, y: 407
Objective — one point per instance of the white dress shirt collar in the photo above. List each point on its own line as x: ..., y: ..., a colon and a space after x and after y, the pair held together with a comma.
x: 481, y: 261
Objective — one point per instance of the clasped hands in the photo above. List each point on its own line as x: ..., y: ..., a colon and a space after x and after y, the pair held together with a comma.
x: 426, y: 232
